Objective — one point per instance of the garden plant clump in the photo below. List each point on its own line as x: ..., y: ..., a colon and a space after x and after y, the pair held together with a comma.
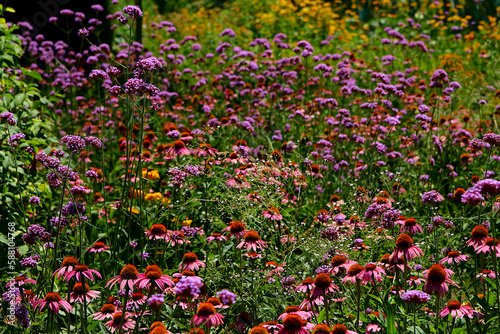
x: 281, y: 168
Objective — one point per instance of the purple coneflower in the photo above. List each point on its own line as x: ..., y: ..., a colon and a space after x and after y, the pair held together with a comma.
x: 370, y: 272
x: 479, y: 235
x: 437, y: 278
x: 153, y: 277
x: 190, y: 262
x: 252, y: 241
x: 410, y: 226
x: 456, y: 309
x: 120, y: 322
x: 404, y: 247
x: 81, y: 271
x: 323, y: 285
x: 107, y: 311
x: 80, y: 295
x: 207, y: 316
x: 53, y: 301
x: 128, y: 277
x: 454, y: 256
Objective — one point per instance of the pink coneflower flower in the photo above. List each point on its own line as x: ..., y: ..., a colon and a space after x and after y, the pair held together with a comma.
x: 295, y: 310
x: 153, y: 277
x: 404, y: 247
x: 321, y: 329
x: 235, y: 159
x: 136, y: 300
x: 486, y: 273
x: 19, y: 281
x: 489, y: 246
x: 177, y: 238
x: 114, y: 324
x: 80, y: 271
x: 204, y: 150
x: 128, y: 277
x: 253, y: 256
x: 207, y: 316
x: 178, y: 148
x: 190, y: 262
x: 479, y: 236
x: 410, y: 226
x: 340, y: 264
x: 352, y: 274
x: 258, y: 330
x: 236, y: 229
x: 314, y: 171
x: 216, y: 302
x: 79, y: 295
x: 69, y: 263
x: 272, y: 213
x: 107, y: 311
x: 370, y: 272
x: 437, y: 277
x: 457, y: 310
x: 98, y: 247
x: 454, y: 257
x: 252, y: 241
x: 271, y: 326
x: 341, y: 329
x: 415, y: 280
x: 323, y: 285
x: 373, y: 328
x: 305, y: 286
x: 216, y: 237
x: 293, y: 324
x: 53, y: 301
x: 157, y: 232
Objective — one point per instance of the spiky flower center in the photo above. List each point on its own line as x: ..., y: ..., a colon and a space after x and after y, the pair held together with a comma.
x: 52, y: 297
x: 338, y: 260
x: 189, y: 257
x: 436, y: 274
x: 339, y: 329
x: 321, y: 329
x: 99, y: 245
x: 259, y: 330
x: 179, y: 144
x: 251, y: 236
x: 158, y: 229
x: 237, y: 227
x: 129, y: 272
x: 491, y: 242
x: 78, y: 288
x: 214, y: 301
x: 205, y: 309
x: 454, y: 254
x: 454, y: 305
x: 70, y: 261
x: 293, y: 322
x: 108, y: 308
x: 291, y: 309
x: 355, y: 269
x: 322, y: 281
x: 137, y: 296
x: 479, y: 232
x: 404, y: 241
x: 81, y: 268
x: 117, y: 318
x: 370, y: 267
x: 409, y: 222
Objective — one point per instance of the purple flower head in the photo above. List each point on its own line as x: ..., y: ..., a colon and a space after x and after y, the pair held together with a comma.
x: 188, y: 286
x: 74, y: 143
x: 415, y: 297
x: 227, y: 297
x: 132, y: 11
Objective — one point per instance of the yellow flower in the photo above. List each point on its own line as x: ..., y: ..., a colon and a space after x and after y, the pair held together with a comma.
x: 152, y: 175
x: 154, y: 197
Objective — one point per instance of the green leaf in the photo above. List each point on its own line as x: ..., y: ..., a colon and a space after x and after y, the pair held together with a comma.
x: 321, y: 316
x: 35, y: 75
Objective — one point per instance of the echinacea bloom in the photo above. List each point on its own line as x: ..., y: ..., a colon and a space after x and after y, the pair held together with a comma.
x: 340, y: 263
x: 271, y: 326
x: 107, y: 311
x: 159, y: 328
x: 341, y: 329
x: 216, y: 237
x: 272, y: 213
x: 153, y: 277
x: 190, y: 262
x: 19, y: 281
x: 414, y: 280
x: 323, y: 285
x: 437, y: 279
x: 137, y: 299
x: 373, y: 328
x: 123, y: 319
x: 415, y: 297
x: 157, y: 232
x: 259, y: 330
x: 486, y: 273
x: 410, y: 226
x: 128, y: 277
x: 81, y: 271
x: 178, y: 148
x: 294, y: 324
x: 479, y: 235
x: 252, y: 241
x: 68, y: 264
x: 454, y: 257
x: 306, y: 285
x: 98, y: 247
x: 205, y: 149
x: 490, y: 244
x: 371, y: 271
x: 207, y: 316
x: 79, y: 295
x: 236, y: 229
x: 404, y: 247
x: 294, y: 310
x: 322, y: 329
x: 53, y: 301
x: 456, y: 309
x: 352, y: 274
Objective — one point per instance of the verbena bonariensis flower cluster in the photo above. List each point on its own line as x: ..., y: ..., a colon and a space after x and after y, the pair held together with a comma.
x: 275, y: 185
